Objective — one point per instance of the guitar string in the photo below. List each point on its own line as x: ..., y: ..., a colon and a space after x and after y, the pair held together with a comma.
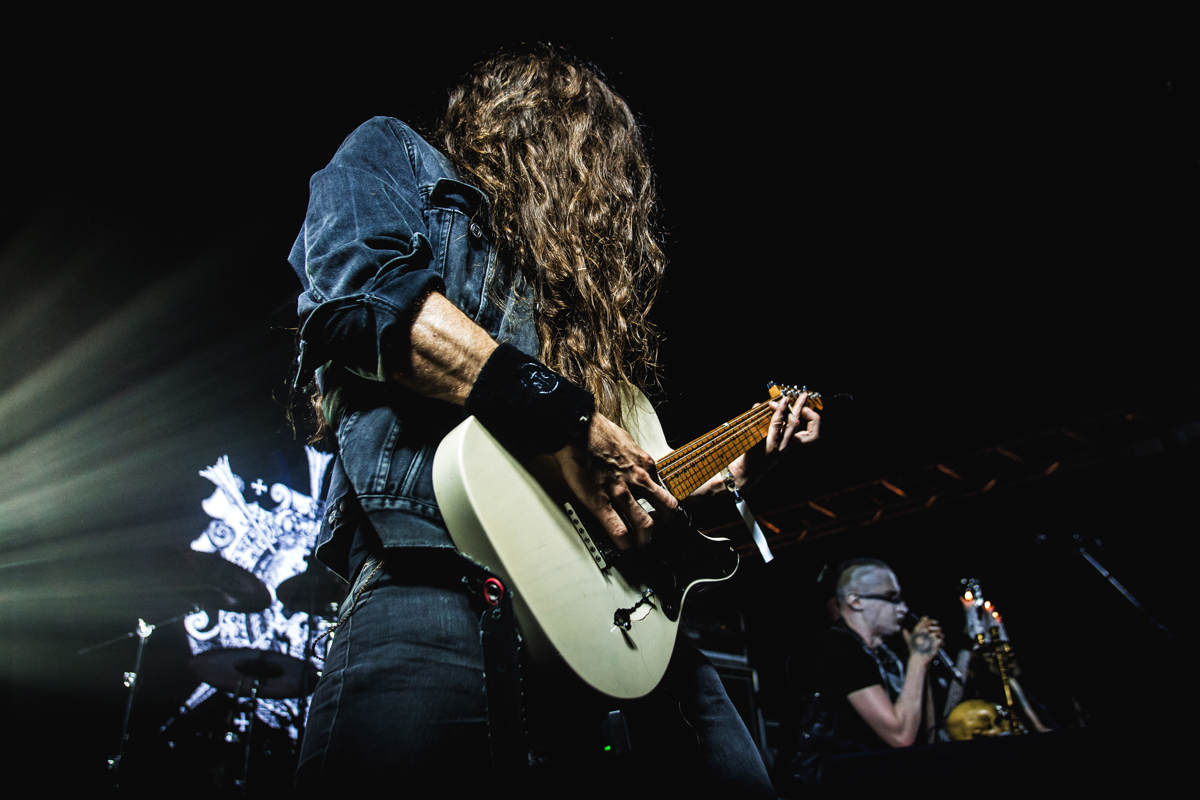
x: 728, y: 446
x: 716, y: 439
x: 694, y: 475
x: 702, y: 441
x: 699, y: 452
x: 680, y: 458
x: 723, y: 440
x: 715, y: 433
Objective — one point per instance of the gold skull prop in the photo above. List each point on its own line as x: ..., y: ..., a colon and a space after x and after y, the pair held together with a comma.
x: 972, y: 719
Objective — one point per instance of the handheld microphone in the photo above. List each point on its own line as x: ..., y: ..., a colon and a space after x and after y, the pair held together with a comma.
x: 913, y: 619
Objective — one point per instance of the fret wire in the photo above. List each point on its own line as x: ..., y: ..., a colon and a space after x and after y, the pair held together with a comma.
x: 745, y: 436
x: 690, y: 477
x: 740, y: 429
x: 716, y: 432
x: 760, y: 411
x: 745, y: 432
x: 703, y: 451
x: 680, y: 469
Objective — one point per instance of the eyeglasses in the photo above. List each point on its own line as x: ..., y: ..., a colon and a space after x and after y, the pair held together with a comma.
x: 887, y: 598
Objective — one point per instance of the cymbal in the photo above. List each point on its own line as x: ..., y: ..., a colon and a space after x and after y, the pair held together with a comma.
x: 317, y: 588
x: 235, y: 669
x: 210, y: 581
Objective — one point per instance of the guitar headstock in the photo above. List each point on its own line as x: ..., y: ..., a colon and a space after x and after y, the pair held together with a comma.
x: 779, y: 390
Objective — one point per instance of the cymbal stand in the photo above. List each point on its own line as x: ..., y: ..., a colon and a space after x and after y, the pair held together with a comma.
x: 310, y: 651
x: 252, y: 712
x: 249, y: 736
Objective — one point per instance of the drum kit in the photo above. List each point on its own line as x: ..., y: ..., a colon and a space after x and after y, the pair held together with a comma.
x: 209, y: 582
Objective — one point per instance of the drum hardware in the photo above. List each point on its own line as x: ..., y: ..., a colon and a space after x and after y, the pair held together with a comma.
x: 208, y: 581
x: 276, y: 676
x: 130, y: 679
x: 273, y: 676
x: 317, y: 591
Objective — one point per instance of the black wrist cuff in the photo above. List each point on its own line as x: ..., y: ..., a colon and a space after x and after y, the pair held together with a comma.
x: 528, y: 408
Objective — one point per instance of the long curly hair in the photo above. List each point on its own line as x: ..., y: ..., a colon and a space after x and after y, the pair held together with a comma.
x: 573, y: 207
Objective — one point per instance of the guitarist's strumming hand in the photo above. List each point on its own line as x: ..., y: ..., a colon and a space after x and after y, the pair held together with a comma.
x: 608, y: 472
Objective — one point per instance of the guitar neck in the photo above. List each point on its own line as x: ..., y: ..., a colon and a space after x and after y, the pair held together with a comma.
x: 687, y: 469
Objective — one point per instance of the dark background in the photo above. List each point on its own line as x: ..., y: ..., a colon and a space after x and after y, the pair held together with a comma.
x: 980, y: 227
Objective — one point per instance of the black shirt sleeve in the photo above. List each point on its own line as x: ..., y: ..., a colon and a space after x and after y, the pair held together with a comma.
x: 836, y: 666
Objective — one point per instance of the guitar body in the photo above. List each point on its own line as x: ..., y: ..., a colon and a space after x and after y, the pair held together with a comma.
x: 576, y: 599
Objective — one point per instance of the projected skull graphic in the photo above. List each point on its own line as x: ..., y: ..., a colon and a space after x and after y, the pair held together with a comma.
x: 271, y: 544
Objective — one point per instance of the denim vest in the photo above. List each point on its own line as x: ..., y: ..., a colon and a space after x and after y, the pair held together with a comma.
x: 388, y: 221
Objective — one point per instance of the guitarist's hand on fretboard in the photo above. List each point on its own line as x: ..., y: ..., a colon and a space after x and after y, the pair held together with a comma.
x: 786, y: 424
x: 608, y: 472
x: 792, y: 423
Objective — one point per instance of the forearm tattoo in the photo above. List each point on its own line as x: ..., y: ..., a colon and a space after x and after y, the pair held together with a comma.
x: 921, y: 643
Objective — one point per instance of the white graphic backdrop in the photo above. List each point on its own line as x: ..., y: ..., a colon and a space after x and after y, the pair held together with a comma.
x: 272, y: 544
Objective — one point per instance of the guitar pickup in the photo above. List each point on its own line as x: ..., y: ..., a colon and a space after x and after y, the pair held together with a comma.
x: 596, y: 553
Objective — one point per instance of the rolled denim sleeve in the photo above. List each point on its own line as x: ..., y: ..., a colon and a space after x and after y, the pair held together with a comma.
x: 363, y: 255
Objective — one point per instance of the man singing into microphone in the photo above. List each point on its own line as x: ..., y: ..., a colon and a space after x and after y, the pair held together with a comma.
x: 856, y: 693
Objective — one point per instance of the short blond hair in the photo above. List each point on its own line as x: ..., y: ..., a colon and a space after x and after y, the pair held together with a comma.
x: 852, y: 574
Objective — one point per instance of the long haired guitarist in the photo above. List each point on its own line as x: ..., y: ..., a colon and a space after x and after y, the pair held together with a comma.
x: 503, y: 272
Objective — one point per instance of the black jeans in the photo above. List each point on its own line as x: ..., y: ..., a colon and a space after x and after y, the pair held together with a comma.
x: 402, y: 702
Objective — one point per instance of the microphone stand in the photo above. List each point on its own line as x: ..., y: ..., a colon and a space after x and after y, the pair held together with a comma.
x: 143, y: 631
x: 1079, y: 548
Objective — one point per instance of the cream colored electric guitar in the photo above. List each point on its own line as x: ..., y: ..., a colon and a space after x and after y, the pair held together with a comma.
x: 610, y: 615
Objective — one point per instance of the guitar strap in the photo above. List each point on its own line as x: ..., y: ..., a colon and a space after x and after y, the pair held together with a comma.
x: 501, y: 646
x: 743, y: 508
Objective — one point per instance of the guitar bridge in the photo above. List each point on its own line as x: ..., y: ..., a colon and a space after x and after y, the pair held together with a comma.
x: 625, y: 617
x: 586, y: 537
